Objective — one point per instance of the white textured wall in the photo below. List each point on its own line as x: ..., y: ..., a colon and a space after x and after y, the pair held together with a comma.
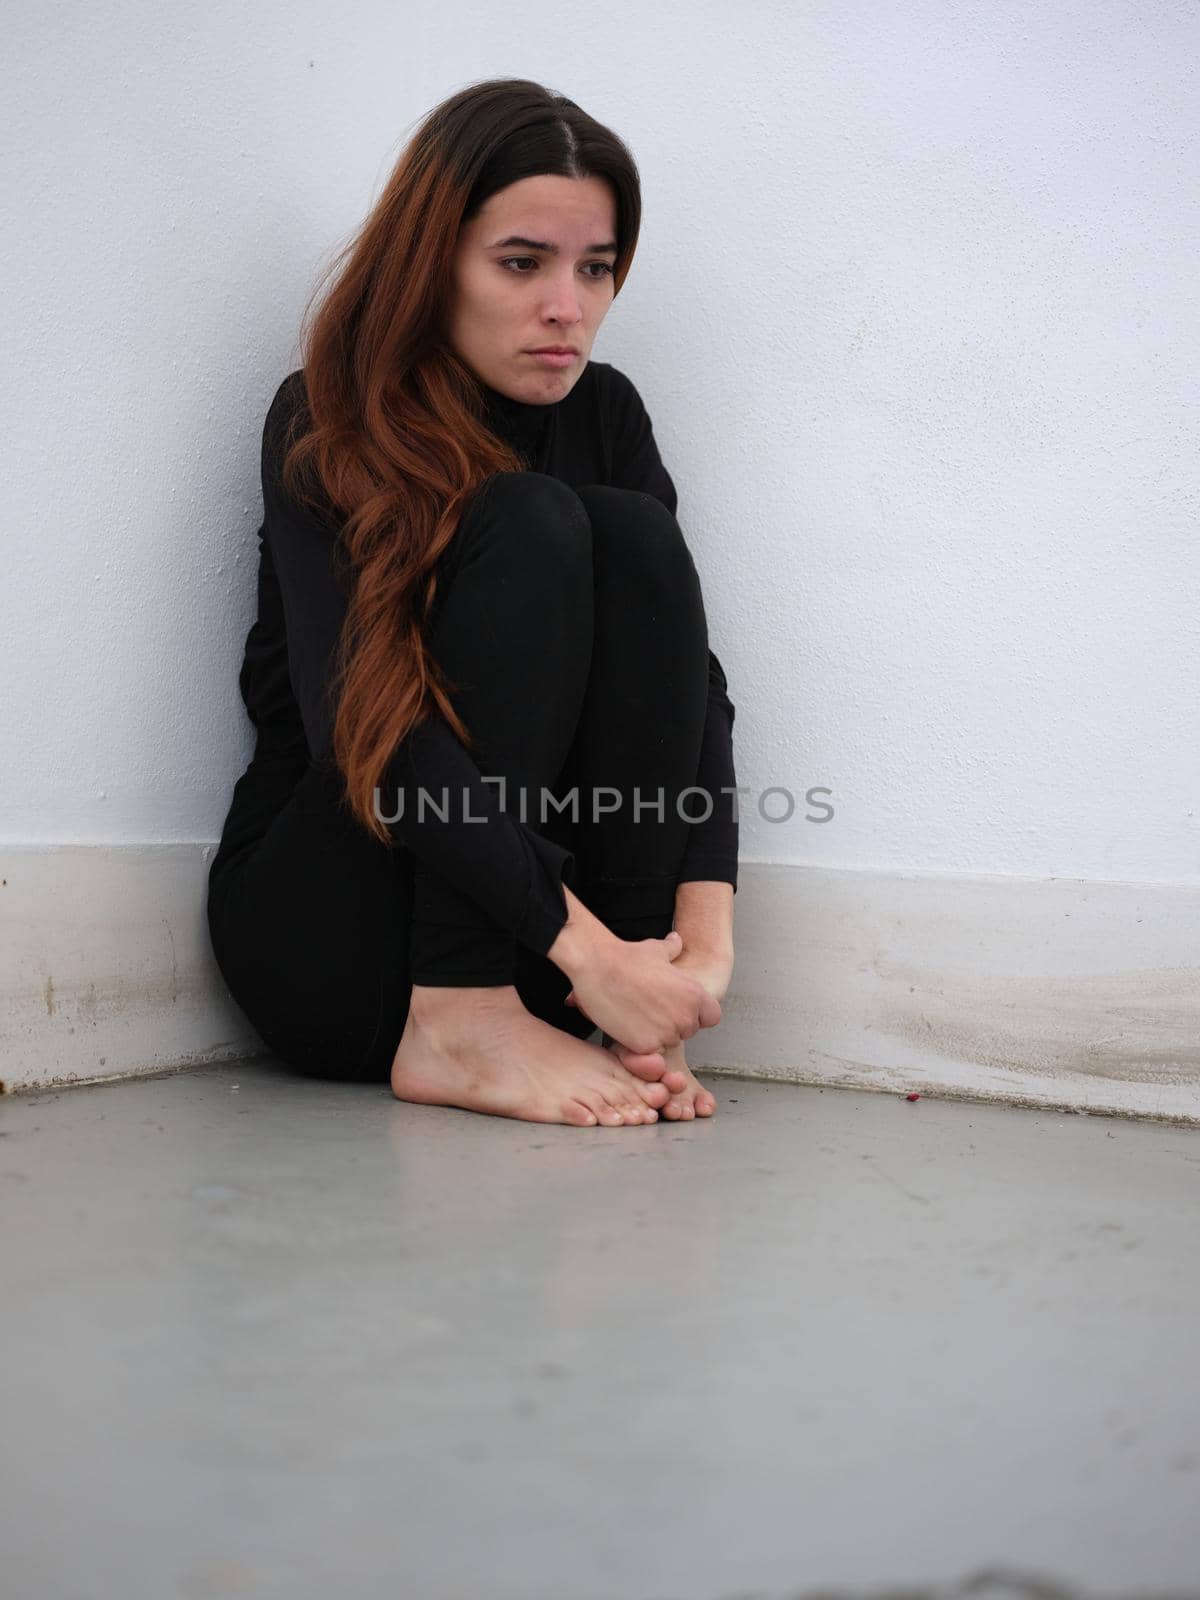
x: 914, y: 312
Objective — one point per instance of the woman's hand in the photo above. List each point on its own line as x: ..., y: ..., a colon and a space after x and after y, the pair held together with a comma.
x: 636, y: 991
x: 711, y: 968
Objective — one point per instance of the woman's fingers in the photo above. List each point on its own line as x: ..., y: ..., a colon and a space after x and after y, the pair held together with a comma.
x: 708, y: 1016
x: 629, y: 991
x: 710, y: 1010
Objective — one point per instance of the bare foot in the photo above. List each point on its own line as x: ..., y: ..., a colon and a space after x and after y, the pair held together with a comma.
x: 688, y: 1096
x: 694, y: 1100
x: 480, y: 1049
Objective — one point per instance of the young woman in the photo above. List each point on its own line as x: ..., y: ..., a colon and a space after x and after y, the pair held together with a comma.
x: 492, y: 799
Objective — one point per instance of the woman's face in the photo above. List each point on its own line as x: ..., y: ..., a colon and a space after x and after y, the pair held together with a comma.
x: 552, y: 288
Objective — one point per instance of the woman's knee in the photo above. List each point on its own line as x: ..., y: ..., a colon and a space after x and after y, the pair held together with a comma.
x: 635, y: 531
x: 547, y: 512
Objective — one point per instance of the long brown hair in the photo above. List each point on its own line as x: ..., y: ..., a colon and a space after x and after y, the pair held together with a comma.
x: 394, y: 430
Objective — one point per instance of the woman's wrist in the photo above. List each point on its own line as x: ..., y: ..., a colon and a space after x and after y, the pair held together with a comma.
x: 580, y: 939
x: 703, y: 920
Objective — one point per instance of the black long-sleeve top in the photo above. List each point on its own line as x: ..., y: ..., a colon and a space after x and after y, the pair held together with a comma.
x: 599, y: 433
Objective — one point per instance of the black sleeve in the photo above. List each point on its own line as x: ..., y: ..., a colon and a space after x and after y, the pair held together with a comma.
x: 264, y: 680
x: 506, y: 867
x: 712, y: 847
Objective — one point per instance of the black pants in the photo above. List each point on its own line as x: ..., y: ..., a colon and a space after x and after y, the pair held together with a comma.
x: 572, y: 623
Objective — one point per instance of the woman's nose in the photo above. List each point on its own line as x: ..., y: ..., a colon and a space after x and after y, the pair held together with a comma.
x: 563, y: 305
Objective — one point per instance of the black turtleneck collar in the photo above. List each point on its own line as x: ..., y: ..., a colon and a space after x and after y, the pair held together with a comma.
x: 517, y: 422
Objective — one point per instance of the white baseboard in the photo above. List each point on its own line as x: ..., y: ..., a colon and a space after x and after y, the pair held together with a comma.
x: 1061, y: 992
x: 106, y: 970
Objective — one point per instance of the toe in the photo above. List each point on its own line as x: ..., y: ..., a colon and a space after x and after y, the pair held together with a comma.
x: 654, y: 1094
x: 673, y: 1110
x: 625, y: 1087
x: 647, y: 1065
x: 627, y: 1108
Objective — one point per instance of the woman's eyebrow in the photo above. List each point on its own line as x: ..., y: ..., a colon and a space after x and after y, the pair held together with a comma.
x: 609, y: 249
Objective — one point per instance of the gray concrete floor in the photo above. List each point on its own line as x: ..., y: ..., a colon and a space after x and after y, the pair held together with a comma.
x: 273, y: 1337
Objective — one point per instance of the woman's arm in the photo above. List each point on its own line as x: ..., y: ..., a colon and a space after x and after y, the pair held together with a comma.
x: 704, y: 917
x: 712, y: 848
x: 704, y: 913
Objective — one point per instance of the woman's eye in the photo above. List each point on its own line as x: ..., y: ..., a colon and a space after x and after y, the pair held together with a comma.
x: 603, y: 265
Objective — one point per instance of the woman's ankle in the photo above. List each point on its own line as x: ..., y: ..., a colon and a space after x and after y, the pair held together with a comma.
x: 429, y: 1002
